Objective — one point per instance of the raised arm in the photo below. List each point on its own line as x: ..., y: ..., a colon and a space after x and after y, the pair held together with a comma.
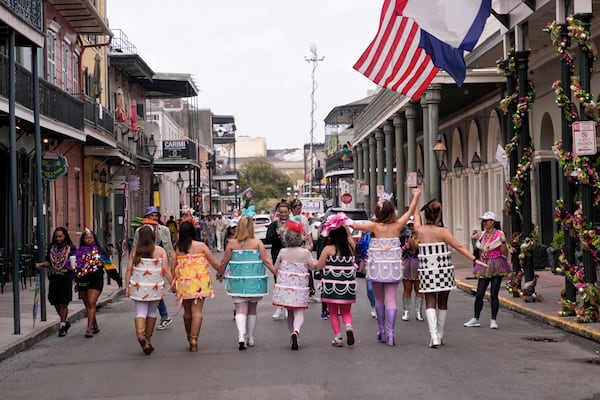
x: 460, y: 248
x: 411, y: 208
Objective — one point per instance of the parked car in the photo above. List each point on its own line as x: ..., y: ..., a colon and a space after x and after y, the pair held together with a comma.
x: 261, y: 223
x: 355, y: 214
x: 315, y: 227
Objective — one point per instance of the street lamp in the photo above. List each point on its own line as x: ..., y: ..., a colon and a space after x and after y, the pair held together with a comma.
x: 419, y: 177
x: 443, y: 171
x: 458, y: 168
x: 439, y: 150
x: 151, y: 148
x: 179, y: 183
x: 289, y: 191
x: 476, y: 163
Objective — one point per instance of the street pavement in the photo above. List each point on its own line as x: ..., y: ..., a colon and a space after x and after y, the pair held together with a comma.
x: 549, y: 286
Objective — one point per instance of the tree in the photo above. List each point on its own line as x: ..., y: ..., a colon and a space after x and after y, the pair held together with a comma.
x: 266, y: 181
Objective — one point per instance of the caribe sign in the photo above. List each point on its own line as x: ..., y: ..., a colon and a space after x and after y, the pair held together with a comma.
x: 54, y: 165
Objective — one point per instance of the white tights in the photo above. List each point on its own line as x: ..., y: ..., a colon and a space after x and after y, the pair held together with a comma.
x: 146, y: 309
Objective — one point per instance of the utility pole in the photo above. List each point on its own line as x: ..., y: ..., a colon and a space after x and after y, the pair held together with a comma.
x: 314, y: 59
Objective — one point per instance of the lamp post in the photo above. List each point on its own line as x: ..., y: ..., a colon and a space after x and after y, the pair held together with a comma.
x: 314, y: 59
x: 151, y: 147
x: 440, y: 151
x: 476, y: 163
x: 458, y: 168
x: 179, y: 183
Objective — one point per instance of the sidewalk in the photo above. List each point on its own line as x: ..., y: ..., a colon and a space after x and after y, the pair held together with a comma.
x: 548, y: 286
x: 11, y: 344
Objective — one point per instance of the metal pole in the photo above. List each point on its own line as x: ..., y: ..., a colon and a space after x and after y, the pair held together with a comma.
x: 314, y: 59
x: 568, y: 189
x: 586, y: 190
x: 14, y: 212
x: 41, y: 223
x: 525, y: 143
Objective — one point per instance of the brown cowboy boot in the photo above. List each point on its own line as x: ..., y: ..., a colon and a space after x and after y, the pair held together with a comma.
x: 150, y: 323
x: 140, y: 330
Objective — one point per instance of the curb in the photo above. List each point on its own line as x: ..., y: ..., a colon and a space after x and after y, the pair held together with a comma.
x: 35, y: 337
x: 567, y: 324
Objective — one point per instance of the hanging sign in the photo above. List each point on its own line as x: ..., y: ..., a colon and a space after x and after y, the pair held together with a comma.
x: 584, y: 138
x: 54, y: 165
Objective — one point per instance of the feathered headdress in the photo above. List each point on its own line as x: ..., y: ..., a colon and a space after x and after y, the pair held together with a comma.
x: 295, y: 226
x: 249, y: 212
x: 334, y: 222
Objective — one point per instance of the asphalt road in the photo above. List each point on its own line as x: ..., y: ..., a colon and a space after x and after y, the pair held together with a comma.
x: 522, y: 359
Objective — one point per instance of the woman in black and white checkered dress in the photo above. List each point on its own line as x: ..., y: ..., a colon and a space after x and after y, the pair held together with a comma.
x: 436, y: 272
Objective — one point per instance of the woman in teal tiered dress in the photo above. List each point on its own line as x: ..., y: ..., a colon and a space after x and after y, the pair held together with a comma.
x: 245, y: 276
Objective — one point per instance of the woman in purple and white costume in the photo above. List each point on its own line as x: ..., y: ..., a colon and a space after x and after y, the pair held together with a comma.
x: 436, y: 272
x: 384, y: 262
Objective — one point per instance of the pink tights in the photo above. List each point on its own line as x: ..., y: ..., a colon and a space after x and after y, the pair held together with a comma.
x: 385, y: 294
x: 344, y: 309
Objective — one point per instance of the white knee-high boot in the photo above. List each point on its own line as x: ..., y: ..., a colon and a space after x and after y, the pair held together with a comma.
x: 441, y: 321
x: 431, y: 316
x: 240, y: 322
x: 251, y: 329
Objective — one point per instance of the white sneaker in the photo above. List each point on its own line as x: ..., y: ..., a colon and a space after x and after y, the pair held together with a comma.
x: 164, y: 324
x: 493, y: 324
x: 373, y: 313
x: 473, y: 322
x: 279, y: 313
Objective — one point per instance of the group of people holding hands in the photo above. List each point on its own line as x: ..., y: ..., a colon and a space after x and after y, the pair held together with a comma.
x: 423, y: 263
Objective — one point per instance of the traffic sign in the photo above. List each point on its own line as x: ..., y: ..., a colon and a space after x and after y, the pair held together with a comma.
x: 346, y: 198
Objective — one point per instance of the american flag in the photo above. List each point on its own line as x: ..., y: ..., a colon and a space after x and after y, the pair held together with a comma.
x: 404, y: 57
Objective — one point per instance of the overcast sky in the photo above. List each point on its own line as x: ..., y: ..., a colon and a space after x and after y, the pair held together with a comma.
x: 248, y: 56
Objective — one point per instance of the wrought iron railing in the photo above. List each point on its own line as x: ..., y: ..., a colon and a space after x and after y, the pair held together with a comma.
x: 338, y: 162
x: 29, y: 10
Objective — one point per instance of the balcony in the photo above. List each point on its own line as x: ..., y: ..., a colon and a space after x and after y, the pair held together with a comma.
x: 338, y: 162
x: 91, y: 114
x: 54, y: 102
x: 29, y: 11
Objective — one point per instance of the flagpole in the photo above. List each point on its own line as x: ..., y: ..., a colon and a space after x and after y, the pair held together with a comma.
x: 314, y: 59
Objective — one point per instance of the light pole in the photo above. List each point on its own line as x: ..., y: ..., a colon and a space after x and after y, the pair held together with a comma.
x: 440, y: 151
x: 151, y: 147
x: 314, y: 59
x: 179, y: 183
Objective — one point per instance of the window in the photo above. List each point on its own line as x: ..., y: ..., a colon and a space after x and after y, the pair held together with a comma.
x: 75, y: 74
x: 65, y: 66
x: 51, y: 55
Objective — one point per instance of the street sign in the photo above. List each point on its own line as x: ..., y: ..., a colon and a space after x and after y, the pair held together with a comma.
x: 584, y: 138
x: 346, y: 198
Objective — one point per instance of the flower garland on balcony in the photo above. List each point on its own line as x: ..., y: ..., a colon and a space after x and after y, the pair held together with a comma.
x: 578, y: 170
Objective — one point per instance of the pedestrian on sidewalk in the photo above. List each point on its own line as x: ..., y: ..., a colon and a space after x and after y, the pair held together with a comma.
x: 147, y: 271
x: 274, y: 237
x: 221, y: 223
x: 436, y: 272
x: 338, y: 283
x: 245, y: 276
x: 163, y: 239
x: 384, y: 261
x: 291, y: 291
x: 60, y: 288
x: 410, y: 273
x: 192, y: 279
x: 91, y: 261
x: 491, y: 243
